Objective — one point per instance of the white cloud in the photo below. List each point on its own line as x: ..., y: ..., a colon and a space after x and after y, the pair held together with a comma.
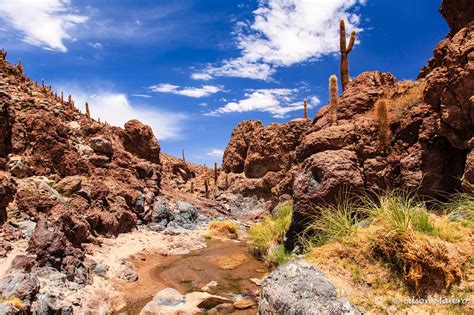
x: 44, y: 23
x: 284, y: 33
x: 218, y: 153
x: 240, y: 68
x: 278, y: 102
x: 201, y: 76
x: 203, y: 91
x: 116, y: 109
x: 142, y: 95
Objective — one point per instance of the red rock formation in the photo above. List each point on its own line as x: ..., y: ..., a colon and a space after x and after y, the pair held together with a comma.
x: 100, y: 172
x: 139, y: 140
x: 263, y: 157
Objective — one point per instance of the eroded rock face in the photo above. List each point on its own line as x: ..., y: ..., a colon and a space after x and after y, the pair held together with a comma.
x: 300, y: 288
x: 7, y: 193
x: 272, y: 148
x: 450, y: 74
x: 235, y: 153
x: 457, y: 13
x: 261, y: 158
x: 430, y: 140
x: 138, y: 139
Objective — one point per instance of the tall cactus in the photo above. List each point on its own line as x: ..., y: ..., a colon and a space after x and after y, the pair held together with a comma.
x: 206, y: 187
x: 333, y: 99
x: 305, y: 109
x: 216, y: 174
x: 20, y: 66
x: 88, y: 112
x: 345, y: 50
x: 182, y: 153
x: 382, y: 117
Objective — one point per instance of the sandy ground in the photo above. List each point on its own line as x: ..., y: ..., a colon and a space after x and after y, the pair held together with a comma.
x: 114, y: 251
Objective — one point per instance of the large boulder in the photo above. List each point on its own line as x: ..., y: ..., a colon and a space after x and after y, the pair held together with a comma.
x: 298, y: 287
x: 322, y: 177
x: 139, y: 140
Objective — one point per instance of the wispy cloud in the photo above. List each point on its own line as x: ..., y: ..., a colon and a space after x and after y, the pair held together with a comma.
x: 284, y: 33
x: 142, y: 95
x: 116, y: 109
x: 278, y: 102
x: 96, y: 45
x: 195, y: 92
x: 44, y: 23
x: 217, y: 153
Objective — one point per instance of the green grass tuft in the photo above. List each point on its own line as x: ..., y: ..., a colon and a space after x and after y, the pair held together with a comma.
x: 333, y: 221
x: 266, y: 236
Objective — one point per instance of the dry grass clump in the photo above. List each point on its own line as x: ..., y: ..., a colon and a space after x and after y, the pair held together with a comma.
x: 426, y: 251
x: 428, y: 264
x: 223, y: 229
x: 266, y: 237
x: 407, y: 94
x: 15, y: 302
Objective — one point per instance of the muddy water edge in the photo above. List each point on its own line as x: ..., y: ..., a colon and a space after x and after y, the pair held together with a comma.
x: 227, y: 262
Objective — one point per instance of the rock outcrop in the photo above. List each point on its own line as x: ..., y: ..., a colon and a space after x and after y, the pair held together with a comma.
x: 260, y: 159
x: 298, y: 287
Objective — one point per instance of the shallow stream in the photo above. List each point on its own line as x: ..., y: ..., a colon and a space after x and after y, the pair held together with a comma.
x: 229, y: 263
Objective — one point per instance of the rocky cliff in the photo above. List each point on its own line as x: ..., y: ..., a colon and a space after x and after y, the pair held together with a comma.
x: 429, y: 132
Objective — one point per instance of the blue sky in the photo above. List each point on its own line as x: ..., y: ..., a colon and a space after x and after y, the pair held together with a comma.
x: 192, y: 69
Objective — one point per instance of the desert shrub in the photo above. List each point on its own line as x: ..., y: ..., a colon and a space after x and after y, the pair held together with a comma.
x: 427, y: 263
x: 224, y: 229
x: 265, y: 235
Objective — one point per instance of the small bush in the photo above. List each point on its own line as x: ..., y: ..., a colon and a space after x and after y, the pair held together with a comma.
x: 269, y: 233
x: 225, y: 229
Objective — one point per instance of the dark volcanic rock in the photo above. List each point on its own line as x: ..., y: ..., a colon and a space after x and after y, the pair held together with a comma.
x: 299, y: 288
